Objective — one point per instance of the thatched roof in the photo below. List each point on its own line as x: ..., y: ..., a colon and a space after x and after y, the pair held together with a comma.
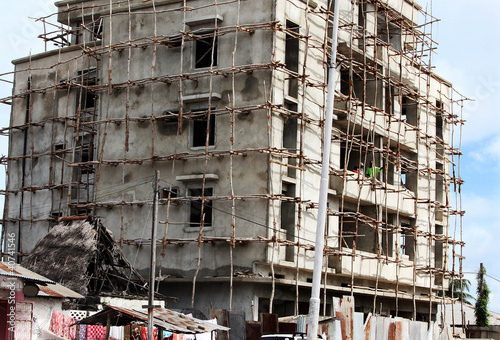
x: 83, y: 256
x: 64, y: 253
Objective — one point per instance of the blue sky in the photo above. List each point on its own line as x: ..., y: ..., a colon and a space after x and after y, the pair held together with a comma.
x: 468, y: 55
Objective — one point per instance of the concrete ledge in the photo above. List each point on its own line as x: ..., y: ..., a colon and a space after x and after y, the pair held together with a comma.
x: 197, y: 178
x: 204, y: 20
x: 201, y: 97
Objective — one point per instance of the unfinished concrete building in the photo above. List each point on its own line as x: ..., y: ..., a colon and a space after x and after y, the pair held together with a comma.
x: 227, y: 100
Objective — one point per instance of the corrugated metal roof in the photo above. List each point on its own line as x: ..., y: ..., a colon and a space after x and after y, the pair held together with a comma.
x: 164, y: 318
x: 48, y: 288
x: 22, y: 273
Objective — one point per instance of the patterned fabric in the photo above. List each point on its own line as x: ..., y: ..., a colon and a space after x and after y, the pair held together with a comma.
x: 60, y: 325
x: 56, y: 323
x: 96, y: 332
x: 144, y: 333
x: 82, y: 335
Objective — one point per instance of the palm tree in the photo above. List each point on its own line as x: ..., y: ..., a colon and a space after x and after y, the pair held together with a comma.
x: 458, y: 289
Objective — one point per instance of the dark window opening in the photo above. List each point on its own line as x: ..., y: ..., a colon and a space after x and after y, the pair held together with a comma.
x: 76, y: 32
x: 389, y: 100
x: 409, y: 175
x: 165, y: 193
x: 196, y: 216
x: 406, y: 241
x: 86, y: 97
x: 409, y: 111
x: 79, y: 212
x: 292, y: 56
x: 387, y: 240
x: 389, y: 33
x: 168, y: 124
x: 87, y: 100
x: 288, y: 218
x: 202, y: 129
x: 96, y: 27
x: 206, y: 46
x: 85, y: 157
x: 439, y: 183
x: 439, y: 119
x: 345, y: 82
x: 361, y: 14
x: 354, y: 160
x: 173, y: 41
x: 55, y: 215
x: 290, y: 127
x: 358, y: 232
x: 59, y: 147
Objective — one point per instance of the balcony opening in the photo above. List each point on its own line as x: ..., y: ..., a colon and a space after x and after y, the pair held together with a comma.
x: 365, y: 238
x: 406, y: 241
x: 354, y: 161
x: 389, y: 32
x: 409, y: 111
x: 387, y: 237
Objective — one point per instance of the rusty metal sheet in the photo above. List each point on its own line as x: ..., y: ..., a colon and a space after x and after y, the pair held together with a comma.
x: 344, y: 311
x: 253, y: 330
x: 221, y: 316
x: 288, y: 327
x: 269, y: 323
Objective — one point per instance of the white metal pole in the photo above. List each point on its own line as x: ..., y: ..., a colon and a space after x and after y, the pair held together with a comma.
x: 314, y: 302
x: 152, y: 273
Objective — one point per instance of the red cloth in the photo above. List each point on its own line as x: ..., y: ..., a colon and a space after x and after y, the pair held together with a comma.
x: 144, y: 333
x: 96, y: 332
x: 60, y: 325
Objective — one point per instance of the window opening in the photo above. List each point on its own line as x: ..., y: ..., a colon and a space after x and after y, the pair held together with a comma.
x: 206, y: 46
x: 173, y: 192
x: 292, y: 56
x: 196, y: 205
x: 439, y: 119
x: 409, y: 111
x: 202, y: 127
x: 290, y: 127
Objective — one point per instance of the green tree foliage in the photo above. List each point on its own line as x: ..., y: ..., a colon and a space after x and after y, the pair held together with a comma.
x: 458, y: 289
x: 483, y: 298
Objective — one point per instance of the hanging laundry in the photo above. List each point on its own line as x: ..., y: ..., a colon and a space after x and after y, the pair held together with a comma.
x: 60, y: 324
x: 144, y: 333
x: 96, y: 332
x: 82, y: 334
x: 116, y: 333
